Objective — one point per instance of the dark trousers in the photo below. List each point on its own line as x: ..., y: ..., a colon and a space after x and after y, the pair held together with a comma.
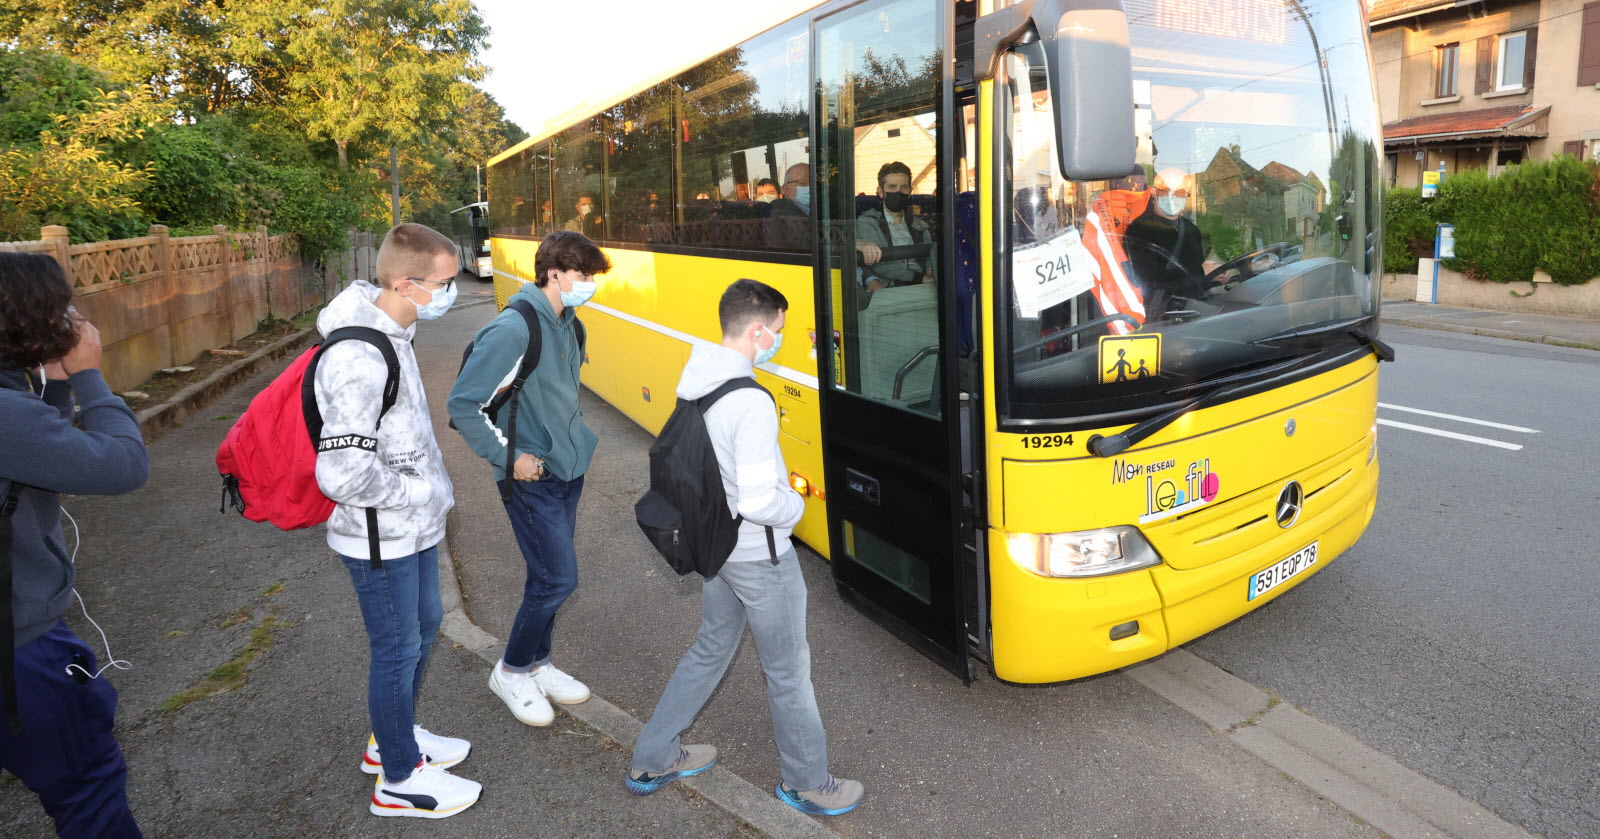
x: 544, y: 516
x: 67, y: 755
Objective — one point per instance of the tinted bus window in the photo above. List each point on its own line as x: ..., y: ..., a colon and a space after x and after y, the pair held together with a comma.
x: 744, y: 131
x: 579, y: 175
x: 639, y: 201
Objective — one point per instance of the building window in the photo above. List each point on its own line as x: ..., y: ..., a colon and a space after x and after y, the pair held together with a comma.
x: 1445, y: 60
x: 1509, y: 70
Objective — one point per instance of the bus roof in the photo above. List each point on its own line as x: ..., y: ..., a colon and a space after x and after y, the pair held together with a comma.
x: 483, y: 204
x: 653, y: 68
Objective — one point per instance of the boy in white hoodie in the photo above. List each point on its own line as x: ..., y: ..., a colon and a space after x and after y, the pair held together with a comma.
x: 398, y: 470
x: 760, y: 584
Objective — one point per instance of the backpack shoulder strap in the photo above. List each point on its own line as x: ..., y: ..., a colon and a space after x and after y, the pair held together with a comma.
x: 530, y: 356
x: 308, y: 385
x: 583, y: 337
x: 704, y: 403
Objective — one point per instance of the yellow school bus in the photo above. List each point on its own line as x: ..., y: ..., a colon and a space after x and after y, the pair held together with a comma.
x: 1082, y: 355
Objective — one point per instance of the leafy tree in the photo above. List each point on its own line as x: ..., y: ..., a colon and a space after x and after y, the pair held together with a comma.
x: 381, y: 69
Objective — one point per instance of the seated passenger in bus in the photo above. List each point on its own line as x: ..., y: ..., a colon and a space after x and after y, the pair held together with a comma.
x: 789, y: 218
x: 893, y: 226
x: 767, y: 190
x: 587, y: 221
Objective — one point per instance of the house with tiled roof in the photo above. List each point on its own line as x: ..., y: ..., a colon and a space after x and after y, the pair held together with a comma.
x: 1485, y: 83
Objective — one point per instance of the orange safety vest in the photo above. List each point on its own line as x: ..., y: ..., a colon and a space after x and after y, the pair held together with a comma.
x: 1110, y: 214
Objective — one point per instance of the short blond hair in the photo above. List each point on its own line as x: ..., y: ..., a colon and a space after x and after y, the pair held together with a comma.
x: 409, y: 250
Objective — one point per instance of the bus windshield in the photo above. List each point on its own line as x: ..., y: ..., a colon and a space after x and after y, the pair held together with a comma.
x: 1245, y: 236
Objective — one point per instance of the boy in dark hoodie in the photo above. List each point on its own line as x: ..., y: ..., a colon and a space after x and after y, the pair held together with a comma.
x: 56, y: 735
x: 544, y: 466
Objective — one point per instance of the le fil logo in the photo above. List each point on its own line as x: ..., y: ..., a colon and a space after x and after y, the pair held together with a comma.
x: 1165, y: 498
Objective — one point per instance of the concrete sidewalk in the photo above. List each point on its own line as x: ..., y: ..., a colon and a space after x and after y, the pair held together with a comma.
x: 244, y: 713
x: 1540, y: 329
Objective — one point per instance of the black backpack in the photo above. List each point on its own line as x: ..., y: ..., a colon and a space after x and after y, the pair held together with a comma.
x: 685, y: 512
x: 530, y: 360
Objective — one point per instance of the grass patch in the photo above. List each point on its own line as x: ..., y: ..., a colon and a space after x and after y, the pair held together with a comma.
x: 224, y: 417
x: 272, y: 589
x: 237, y: 618
x: 231, y: 674
x: 176, y: 633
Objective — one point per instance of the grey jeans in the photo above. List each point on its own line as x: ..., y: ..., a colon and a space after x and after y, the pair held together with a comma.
x: 772, y: 600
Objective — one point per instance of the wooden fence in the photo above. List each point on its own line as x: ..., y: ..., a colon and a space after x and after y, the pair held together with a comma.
x: 160, y: 301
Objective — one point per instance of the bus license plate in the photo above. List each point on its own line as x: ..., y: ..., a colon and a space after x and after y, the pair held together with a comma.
x: 1280, y: 573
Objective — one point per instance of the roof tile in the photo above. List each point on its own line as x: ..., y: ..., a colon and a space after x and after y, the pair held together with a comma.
x: 1481, y: 120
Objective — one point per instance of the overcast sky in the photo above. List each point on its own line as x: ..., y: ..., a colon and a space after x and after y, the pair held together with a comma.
x: 546, y: 57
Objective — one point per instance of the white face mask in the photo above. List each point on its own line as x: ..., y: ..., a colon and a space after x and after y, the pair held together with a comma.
x: 766, y: 198
x: 1171, y: 205
x: 584, y: 209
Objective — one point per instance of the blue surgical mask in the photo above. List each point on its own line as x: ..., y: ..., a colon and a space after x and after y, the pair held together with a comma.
x: 581, y: 291
x: 437, y: 305
x: 802, y: 196
x: 1171, y: 205
x: 765, y: 355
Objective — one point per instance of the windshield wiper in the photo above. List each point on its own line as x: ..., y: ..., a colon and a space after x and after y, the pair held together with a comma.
x: 1348, y: 326
x: 1216, y: 389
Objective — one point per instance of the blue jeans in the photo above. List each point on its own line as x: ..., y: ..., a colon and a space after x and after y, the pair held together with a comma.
x: 544, y: 517
x: 401, y: 609
x: 771, y: 600
x: 67, y: 754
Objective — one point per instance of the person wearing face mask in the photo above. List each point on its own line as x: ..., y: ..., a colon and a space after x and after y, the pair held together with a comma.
x: 893, y: 225
x: 588, y: 220
x: 1164, y: 245
x: 399, y: 471
x: 759, y: 586
x: 552, y: 450
x: 789, y: 217
x: 767, y: 190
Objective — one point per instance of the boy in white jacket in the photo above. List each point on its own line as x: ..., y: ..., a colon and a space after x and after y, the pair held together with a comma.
x: 398, y: 470
x: 754, y: 586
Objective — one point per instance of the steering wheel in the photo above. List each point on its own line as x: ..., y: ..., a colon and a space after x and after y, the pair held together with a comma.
x: 1245, y: 264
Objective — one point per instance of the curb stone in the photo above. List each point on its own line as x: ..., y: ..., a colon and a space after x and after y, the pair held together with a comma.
x: 740, y: 798
x: 159, y: 419
x: 1487, y: 333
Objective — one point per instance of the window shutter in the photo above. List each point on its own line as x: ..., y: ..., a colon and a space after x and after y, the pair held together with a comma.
x: 1485, y: 82
x: 1589, y: 46
x: 1529, y: 51
x: 1572, y: 147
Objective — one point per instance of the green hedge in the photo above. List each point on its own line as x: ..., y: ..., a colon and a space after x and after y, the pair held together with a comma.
x: 1544, y: 214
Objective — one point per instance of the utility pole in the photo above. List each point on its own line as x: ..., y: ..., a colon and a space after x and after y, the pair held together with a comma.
x: 477, y: 175
x: 394, y: 184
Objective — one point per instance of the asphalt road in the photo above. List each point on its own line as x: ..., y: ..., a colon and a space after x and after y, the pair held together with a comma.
x: 1102, y: 757
x: 1459, y: 635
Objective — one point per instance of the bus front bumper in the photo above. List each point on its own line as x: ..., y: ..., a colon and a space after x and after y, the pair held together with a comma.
x: 1052, y: 630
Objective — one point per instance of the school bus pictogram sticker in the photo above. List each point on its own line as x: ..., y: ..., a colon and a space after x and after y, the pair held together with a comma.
x: 1129, y: 358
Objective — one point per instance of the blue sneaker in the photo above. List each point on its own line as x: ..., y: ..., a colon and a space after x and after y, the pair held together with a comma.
x: 692, y: 760
x: 834, y: 798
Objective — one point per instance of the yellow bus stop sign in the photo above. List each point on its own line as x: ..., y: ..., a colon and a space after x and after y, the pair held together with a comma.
x: 1127, y: 358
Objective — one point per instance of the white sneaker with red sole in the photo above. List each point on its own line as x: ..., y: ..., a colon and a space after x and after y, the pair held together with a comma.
x: 442, y: 752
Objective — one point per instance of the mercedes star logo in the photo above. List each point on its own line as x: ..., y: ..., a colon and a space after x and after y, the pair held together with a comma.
x: 1290, y: 502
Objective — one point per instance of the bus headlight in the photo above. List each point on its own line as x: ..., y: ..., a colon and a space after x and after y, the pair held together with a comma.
x: 1083, y: 553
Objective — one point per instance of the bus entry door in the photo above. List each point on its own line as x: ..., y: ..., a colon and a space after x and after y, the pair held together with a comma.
x: 887, y: 382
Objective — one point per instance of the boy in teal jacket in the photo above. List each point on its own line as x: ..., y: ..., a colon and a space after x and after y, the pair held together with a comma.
x: 547, y: 462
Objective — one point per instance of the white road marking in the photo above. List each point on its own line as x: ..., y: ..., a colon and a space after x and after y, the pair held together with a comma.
x: 1482, y: 441
x: 1502, y: 426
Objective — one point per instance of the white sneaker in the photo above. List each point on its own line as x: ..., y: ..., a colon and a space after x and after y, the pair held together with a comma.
x: 430, y: 793
x: 442, y: 752
x: 522, y: 695
x: 559, y: 686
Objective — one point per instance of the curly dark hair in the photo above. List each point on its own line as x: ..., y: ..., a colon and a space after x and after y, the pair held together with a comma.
x: 568, y: 250
x: 34, y: 295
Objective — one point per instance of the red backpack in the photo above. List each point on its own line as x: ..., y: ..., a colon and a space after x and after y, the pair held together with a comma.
x: 268, y: 461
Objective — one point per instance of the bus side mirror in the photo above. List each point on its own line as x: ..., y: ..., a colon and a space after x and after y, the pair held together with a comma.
x: 1090, y: 64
